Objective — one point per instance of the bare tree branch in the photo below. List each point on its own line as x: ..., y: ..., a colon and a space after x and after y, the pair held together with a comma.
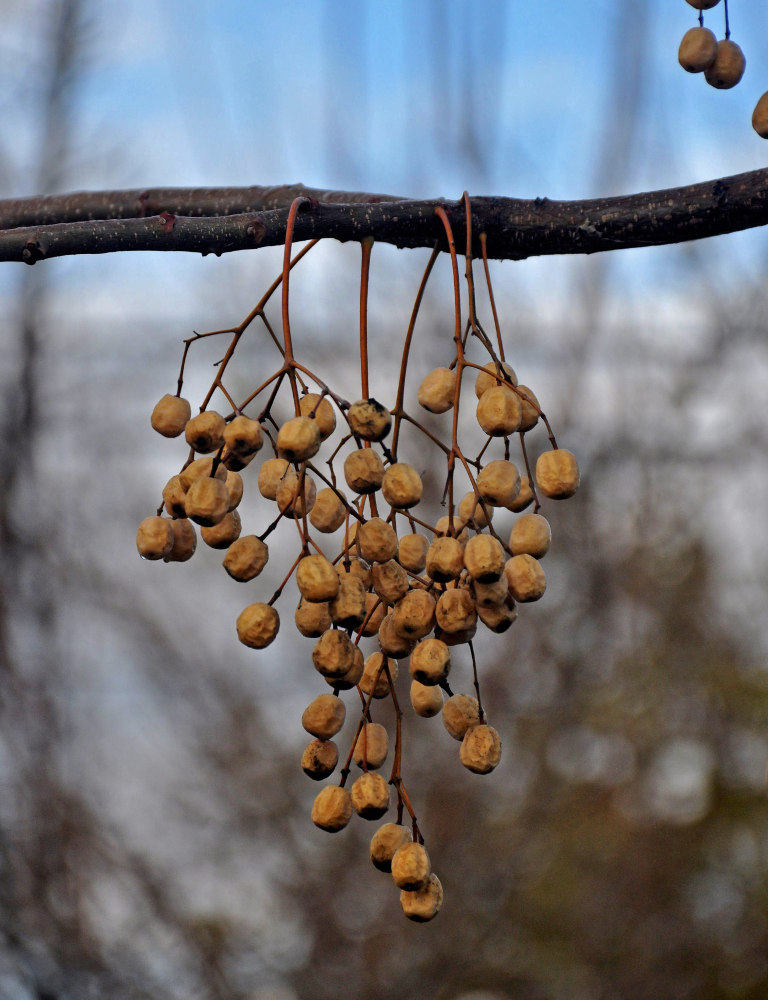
x: 254, y: 217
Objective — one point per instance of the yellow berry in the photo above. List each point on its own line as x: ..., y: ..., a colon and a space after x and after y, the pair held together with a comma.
x: 530, y: 533
x: 316, y: 579
x: 207, y: 501
x: 312, y: 618
x: 557, y: 473
x: 498, y: 483
x: 423, y: 904
x: 257, y: 625
x: 246, y: 558
x: 426, y: 699
x: 370, y: 795
x: 697, y: 50
x: 243, y: 436
x: 184, y: 541
x: 526, y: 579
x: 489, y: 378
x: 372, y: 746
x: 412, y: 552
x: 385, y: 842
x: 154, y: 538
x: 499, y: 411
x: 410, y: 867
x: 320, y: 409
x: 728, y: 66
x: 364, y: 471
x: 460, y: 713
x: 170, y: 416
x: 298, y: 439
x: 324, y: 716
x: 328, y: 512
x: 430, y: 662
x: 332, y: 809
x: 223, y: 534
x: 319, y: 759
x: 369, y: 420
x: 401, y: 486
x: 437, y: 390
x: 480, y: 749
x: 205, y: 432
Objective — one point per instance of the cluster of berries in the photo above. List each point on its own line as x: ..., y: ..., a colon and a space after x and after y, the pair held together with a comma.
x: 722, y: 62
x: 419, y: 593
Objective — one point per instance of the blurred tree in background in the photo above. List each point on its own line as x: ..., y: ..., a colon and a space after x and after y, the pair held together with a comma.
x: 154, y: 823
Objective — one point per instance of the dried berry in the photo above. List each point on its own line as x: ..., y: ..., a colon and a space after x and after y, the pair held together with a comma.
x: 370, y: 796
x: 498, y: 483
x: 423, y: 904
x: 207, y: 501
x: 430, y: 662
x: 372, y: 746
x: 494, y: 375
x: 426, y: 699
x: 369, y: 420
x: 257, y: 625
x: 329, y: 511
x: 530, y: 533
x: 387, y: 839
x: 410, y: 867
x: 374, y: 679
x: 316, y: 579
x: 557, y: 473
x: 460, y: 713
x: 223, y: 534
x: 205, y: 432
x: 324, y: 716
x: 697, y: 50
x: 728, y: 66
x: 154, y: 538
x: 184, y: 541
x: 437, y: 391
x: 412, y: 552
x: 243, y: 436
x: 246, y: 558
x: 170, y: 416
x: 364, y: 471
x: 480, y: 749
x: 319, y: 759
x: 527, y: 580
x: 320, y: 409
x: 401, y: 486
x: 298, y: 439
x: 332, y: 809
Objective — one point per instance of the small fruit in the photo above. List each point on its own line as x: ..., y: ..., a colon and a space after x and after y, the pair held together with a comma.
x: 426, y: 699
x: 530, y: 533
x: 526, y: 579
x: 484, y: 558
x: 312, y: 619
x: 246, y: 558
x: 410, y: 867
x: 492, y: 375
x: 320, y: 409
x: 697, y: 50
x: 728, y: 66
x: 370, y: 795
x: 333, y: 654
x: 298, y: 439
x: 499, y: 411
x: 401, y: 486
x: 317, y: 579
x: 324, y: 716
x: 223, y: 534
x: 423, y: 904
x: 430, y: 662
x: 437, y: 390
x: 205, y: 432
x: 348, y: 608
x: 257, y: 625
x: 272, y: 474
x: 170, y: 416
x: 332, y: 809
x: 498, y: 483
x: 184, y: 541
x: 460, y: 713
x: 760, y: 117
x: 364, y: 470
x: 369, y: 420
x: 372, y: 746
x: 703, y: 4
x: 329, y: 511
x: 319, y: 759
x: 377, y: 540
x: 412, y: 552
x: 243, y: 436
x: 387, y: 839
x: 557, y: 473
x: 480, y: 749
x: 154, y: 538
x: 207, y: 501
x: 374, y: 680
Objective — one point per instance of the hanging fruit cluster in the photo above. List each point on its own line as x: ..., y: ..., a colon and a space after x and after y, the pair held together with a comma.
x: 369, y: 567
x: 722, y: 62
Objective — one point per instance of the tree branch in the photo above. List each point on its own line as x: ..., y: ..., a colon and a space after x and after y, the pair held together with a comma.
x: 222, y: 220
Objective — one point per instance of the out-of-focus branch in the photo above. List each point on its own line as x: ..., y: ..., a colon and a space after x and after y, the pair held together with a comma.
x: 256, y: 217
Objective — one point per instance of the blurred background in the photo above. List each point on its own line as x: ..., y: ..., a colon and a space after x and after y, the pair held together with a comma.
x: 154, y: 822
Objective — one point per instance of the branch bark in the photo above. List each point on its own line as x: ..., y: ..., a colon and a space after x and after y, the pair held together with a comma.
x: 223, y: 220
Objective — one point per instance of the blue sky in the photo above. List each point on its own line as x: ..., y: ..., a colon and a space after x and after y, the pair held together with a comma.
x: 370, y: 94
